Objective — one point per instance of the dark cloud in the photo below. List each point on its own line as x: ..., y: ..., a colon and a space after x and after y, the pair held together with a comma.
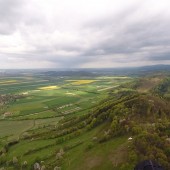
x: 146, y: 36
x: 159, y: 56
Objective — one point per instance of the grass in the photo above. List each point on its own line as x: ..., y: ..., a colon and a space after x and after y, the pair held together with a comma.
x: 61, y: 101
x: 40, y: 115
x: 39, y: 103
x: 14, y: 128
x: 23, y: 148
x: 40, y: 107
x: 26, y: 108
x: 98, y: 157
x: 47, y: 121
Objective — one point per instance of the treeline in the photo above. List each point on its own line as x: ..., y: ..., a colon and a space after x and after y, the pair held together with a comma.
x: 7, y: 98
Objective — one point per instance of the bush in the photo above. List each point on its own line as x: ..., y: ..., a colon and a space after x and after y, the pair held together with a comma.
x: 90, y: 146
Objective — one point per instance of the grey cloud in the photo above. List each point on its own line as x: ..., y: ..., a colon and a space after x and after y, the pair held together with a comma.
x: 159, y: 56
x: 134, y: 37
x: 128, y: 35
x: 9, y: 15
x: 16, y: 13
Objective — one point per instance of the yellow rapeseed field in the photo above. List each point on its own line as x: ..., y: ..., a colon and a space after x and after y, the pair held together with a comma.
x: 80, y: 82
x: 6, y: 82
x: 48, y: 87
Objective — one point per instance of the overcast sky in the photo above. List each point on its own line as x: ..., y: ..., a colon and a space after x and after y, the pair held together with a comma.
x: 84, y: 33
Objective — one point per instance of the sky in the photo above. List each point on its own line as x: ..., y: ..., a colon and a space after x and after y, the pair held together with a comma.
x: 84, y: 33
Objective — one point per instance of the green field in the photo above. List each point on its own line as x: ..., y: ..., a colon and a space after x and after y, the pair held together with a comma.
x: 44, y: 102
x: 76, y: 122
x: 40, y: 101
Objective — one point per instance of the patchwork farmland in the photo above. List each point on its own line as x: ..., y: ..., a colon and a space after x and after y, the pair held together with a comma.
x: 94, y: 122
x: 43, y: 101
x: 53, y: 98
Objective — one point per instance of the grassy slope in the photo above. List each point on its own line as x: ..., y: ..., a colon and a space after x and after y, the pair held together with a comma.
x: 14, y: 128
x: 101, y: 156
